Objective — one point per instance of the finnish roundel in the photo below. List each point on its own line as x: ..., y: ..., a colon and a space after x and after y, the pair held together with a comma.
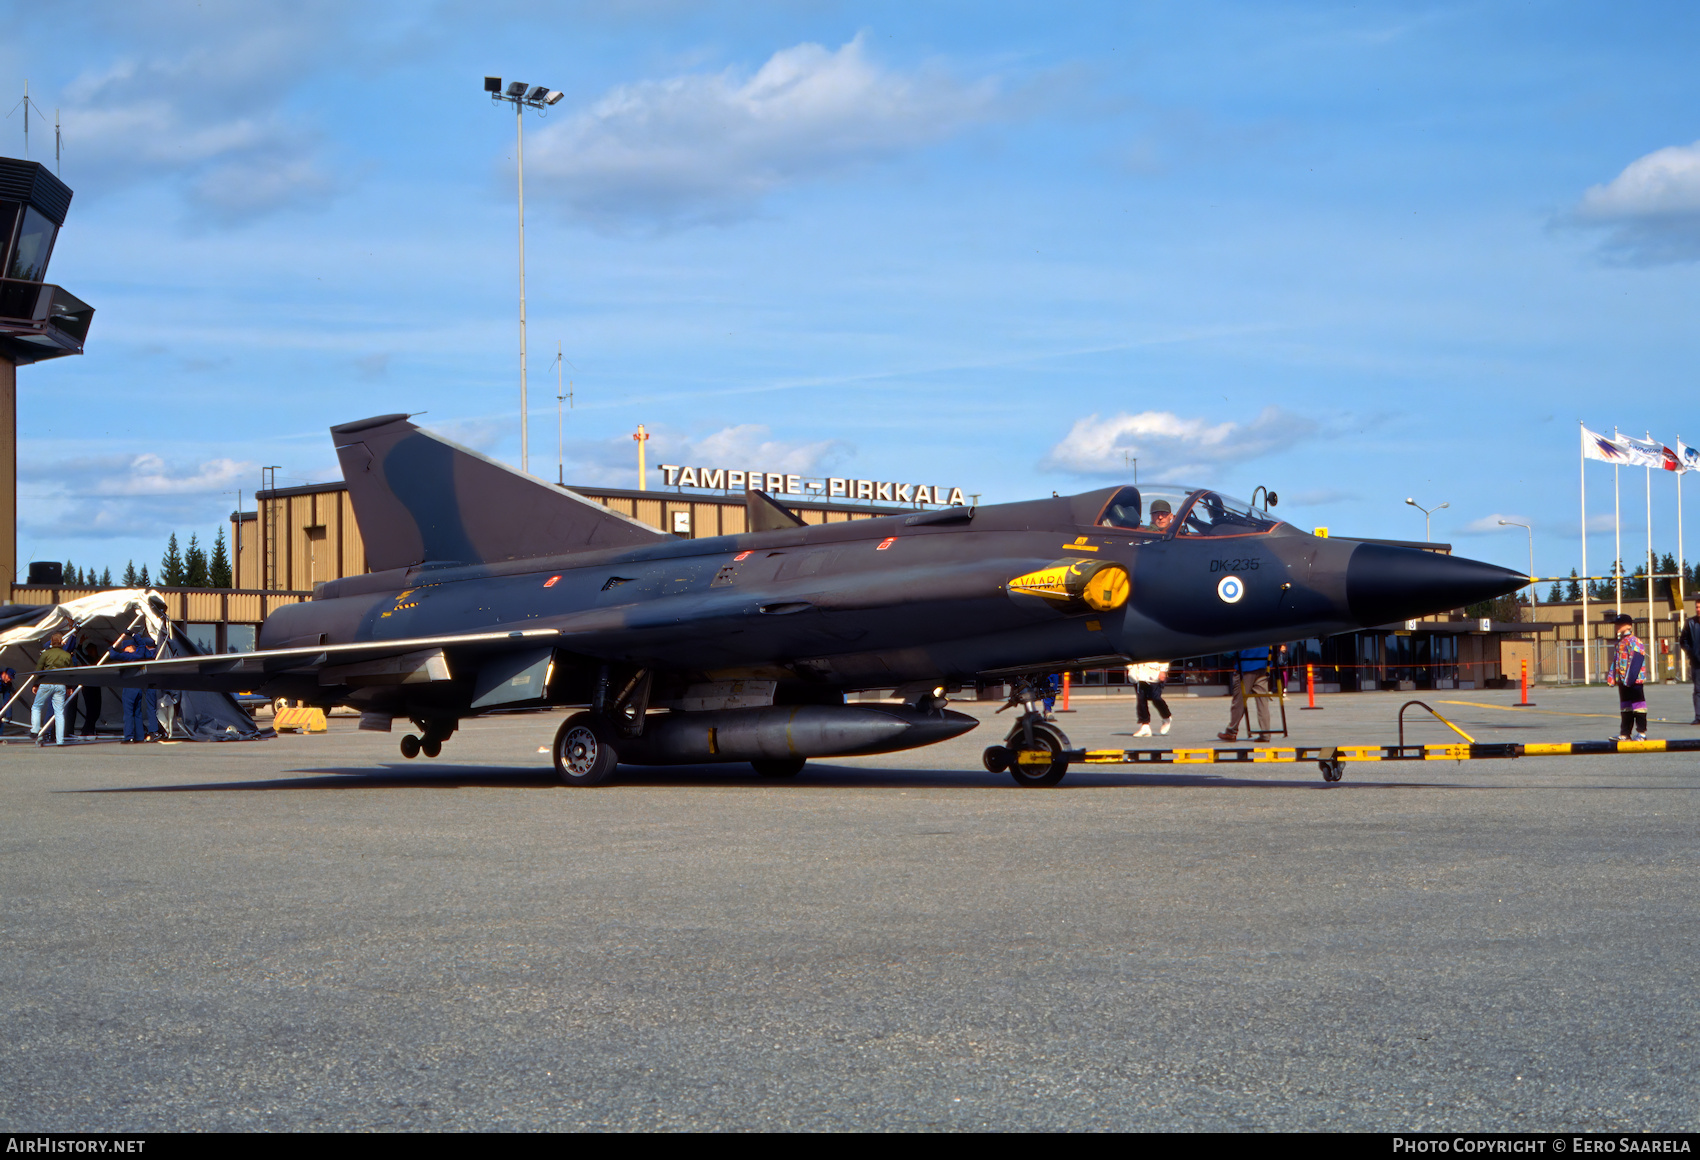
x: 1230, y: 589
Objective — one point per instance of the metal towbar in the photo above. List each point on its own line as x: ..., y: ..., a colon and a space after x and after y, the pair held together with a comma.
x: 1332, y: 758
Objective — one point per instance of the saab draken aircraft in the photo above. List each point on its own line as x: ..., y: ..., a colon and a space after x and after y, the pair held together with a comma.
x: 493, y: 590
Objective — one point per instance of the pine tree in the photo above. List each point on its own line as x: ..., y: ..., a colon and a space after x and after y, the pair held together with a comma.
x: 218, y: 569
x: 1635, y: 585
x: 142, y: 581
x: 1556, y: 595
x: 106, y: 577
x: 1666, y: 589
x: 131, y: 580
x: 70, y: 574
x: 1573, y: 590
x: 195, y: 564
x: 171, y: 565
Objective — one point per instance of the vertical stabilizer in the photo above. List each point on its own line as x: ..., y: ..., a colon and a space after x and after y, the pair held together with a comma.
x: 420, y: 499
x: 766, y: 514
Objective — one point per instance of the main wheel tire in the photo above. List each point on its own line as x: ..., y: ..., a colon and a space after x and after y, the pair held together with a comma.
x: 584, y: 750
x: 779, y: 766
x: 410, y: 747
x: 1047, y: 773
x: 430, y: 747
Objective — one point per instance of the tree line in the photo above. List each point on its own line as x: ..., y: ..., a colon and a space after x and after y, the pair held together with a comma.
x: 180, y: 567
x: 1634, y: 583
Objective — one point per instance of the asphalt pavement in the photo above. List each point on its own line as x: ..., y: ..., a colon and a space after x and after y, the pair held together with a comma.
x: 311, y: 932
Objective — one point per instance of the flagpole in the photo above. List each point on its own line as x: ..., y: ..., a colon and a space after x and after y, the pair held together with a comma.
x: 1681, y: 559
x: 1582, y: 478
x: 1652, y: 626
x: 1617, y: 528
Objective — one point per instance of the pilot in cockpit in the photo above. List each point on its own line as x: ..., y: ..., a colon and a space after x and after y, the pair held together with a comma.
x: 1162, y: 516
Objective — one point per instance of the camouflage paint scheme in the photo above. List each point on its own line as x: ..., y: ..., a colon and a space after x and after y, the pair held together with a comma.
x: 483, y: 575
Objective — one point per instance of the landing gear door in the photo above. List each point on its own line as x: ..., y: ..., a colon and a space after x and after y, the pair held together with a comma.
x: 510, y: 679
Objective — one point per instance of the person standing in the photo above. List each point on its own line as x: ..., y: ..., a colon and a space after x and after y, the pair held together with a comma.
x: 1148, y: 679
x: 137, y: 645
x: 8, y: 689
x: 1628, y: 663
x: 1248, y: 680
x: 47, y: 692
x: 1690, y: 644
x: 88, y: 699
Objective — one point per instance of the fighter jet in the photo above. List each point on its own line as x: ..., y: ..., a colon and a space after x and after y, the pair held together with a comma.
x: 493, y: 590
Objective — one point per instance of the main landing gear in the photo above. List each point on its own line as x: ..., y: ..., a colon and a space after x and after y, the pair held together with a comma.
x: 584, y: 750
x: 431, y: 744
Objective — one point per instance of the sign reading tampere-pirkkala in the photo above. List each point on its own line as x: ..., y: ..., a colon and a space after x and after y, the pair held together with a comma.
x: 775, y: 483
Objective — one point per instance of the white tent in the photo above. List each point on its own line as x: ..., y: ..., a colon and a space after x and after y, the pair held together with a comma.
x: 99, y: 621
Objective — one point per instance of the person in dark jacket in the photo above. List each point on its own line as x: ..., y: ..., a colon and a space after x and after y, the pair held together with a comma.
x: 1690, y: 644
x: 87, y: 702
x: 1628, y: 666
x: 141, y: 706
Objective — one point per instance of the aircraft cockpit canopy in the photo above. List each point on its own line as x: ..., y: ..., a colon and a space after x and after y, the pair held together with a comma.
x: 1164, y: 510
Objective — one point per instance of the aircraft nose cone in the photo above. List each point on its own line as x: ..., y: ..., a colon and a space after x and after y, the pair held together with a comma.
x: 1385, y: 583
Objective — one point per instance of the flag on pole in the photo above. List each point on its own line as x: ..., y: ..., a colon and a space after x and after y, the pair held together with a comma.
x: 1644, y: 452
x: 1673, y: 461
x: 1688, y: 456
x: 1596, y: 446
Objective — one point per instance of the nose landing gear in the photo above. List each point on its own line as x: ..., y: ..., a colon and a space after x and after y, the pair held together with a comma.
x: 431, y: 744
x: 1031, y: 735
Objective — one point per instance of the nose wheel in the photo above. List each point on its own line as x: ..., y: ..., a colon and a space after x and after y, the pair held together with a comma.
x: 1332, y: 770
x: 431, y: 744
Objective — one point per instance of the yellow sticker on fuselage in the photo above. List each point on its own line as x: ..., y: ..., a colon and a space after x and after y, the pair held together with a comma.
x: 1052, y: 581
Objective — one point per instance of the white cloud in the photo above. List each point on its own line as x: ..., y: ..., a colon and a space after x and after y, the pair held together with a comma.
x: 704, y: 148
x: 139, y: 475
x: 113, y: 497
x: 748, y: 447
x: 1651, y: 209
x: 481, y: 435
x: 1170, y: 447
x: 202, y: 100
x: 1490, y: 525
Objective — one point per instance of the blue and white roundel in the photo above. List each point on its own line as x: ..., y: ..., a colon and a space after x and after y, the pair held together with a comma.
x: 1231, y: 589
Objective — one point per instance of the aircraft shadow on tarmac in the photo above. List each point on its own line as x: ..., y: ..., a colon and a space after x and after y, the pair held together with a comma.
x: 816, y: 777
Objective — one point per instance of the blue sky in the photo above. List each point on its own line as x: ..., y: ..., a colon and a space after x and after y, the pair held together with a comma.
x: 1354, y: 252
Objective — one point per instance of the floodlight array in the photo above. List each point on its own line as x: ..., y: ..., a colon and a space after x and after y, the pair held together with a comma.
x: 520, y: 93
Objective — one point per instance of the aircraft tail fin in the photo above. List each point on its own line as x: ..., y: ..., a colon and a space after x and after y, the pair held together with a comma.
x: 766, y: 514
x: 420, y: 498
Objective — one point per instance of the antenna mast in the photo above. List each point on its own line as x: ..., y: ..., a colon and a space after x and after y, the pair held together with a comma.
x: 25, y: 105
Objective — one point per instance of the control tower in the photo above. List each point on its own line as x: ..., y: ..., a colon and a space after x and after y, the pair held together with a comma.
x: 37, y: 320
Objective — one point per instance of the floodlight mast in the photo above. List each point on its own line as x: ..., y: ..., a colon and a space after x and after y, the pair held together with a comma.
x: 522, y: 96
x: 1428, y: 513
